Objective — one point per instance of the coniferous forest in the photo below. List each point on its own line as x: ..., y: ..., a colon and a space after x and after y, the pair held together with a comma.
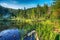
x: 45, y: 20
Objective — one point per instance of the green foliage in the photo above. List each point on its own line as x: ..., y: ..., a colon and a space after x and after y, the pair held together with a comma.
x: 39, y: 18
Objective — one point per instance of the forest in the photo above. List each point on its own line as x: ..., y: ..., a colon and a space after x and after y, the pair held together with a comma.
x: 45, y: 20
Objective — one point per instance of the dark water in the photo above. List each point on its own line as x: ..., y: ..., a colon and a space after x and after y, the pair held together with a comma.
x: 13, y: 34
x: 29, y: 38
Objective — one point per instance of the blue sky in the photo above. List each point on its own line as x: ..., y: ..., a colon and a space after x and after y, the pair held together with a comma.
x: 15, y: 4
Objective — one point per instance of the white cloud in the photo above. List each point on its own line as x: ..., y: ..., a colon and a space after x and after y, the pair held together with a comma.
x: 10, y: 5
x: 14, y: 6
x: 4, y: 4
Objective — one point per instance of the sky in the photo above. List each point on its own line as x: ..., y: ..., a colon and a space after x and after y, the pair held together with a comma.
x: 20, y: 4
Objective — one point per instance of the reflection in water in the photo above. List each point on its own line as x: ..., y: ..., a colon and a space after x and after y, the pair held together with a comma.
x: 29, y: 37
x: 14, y: 34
